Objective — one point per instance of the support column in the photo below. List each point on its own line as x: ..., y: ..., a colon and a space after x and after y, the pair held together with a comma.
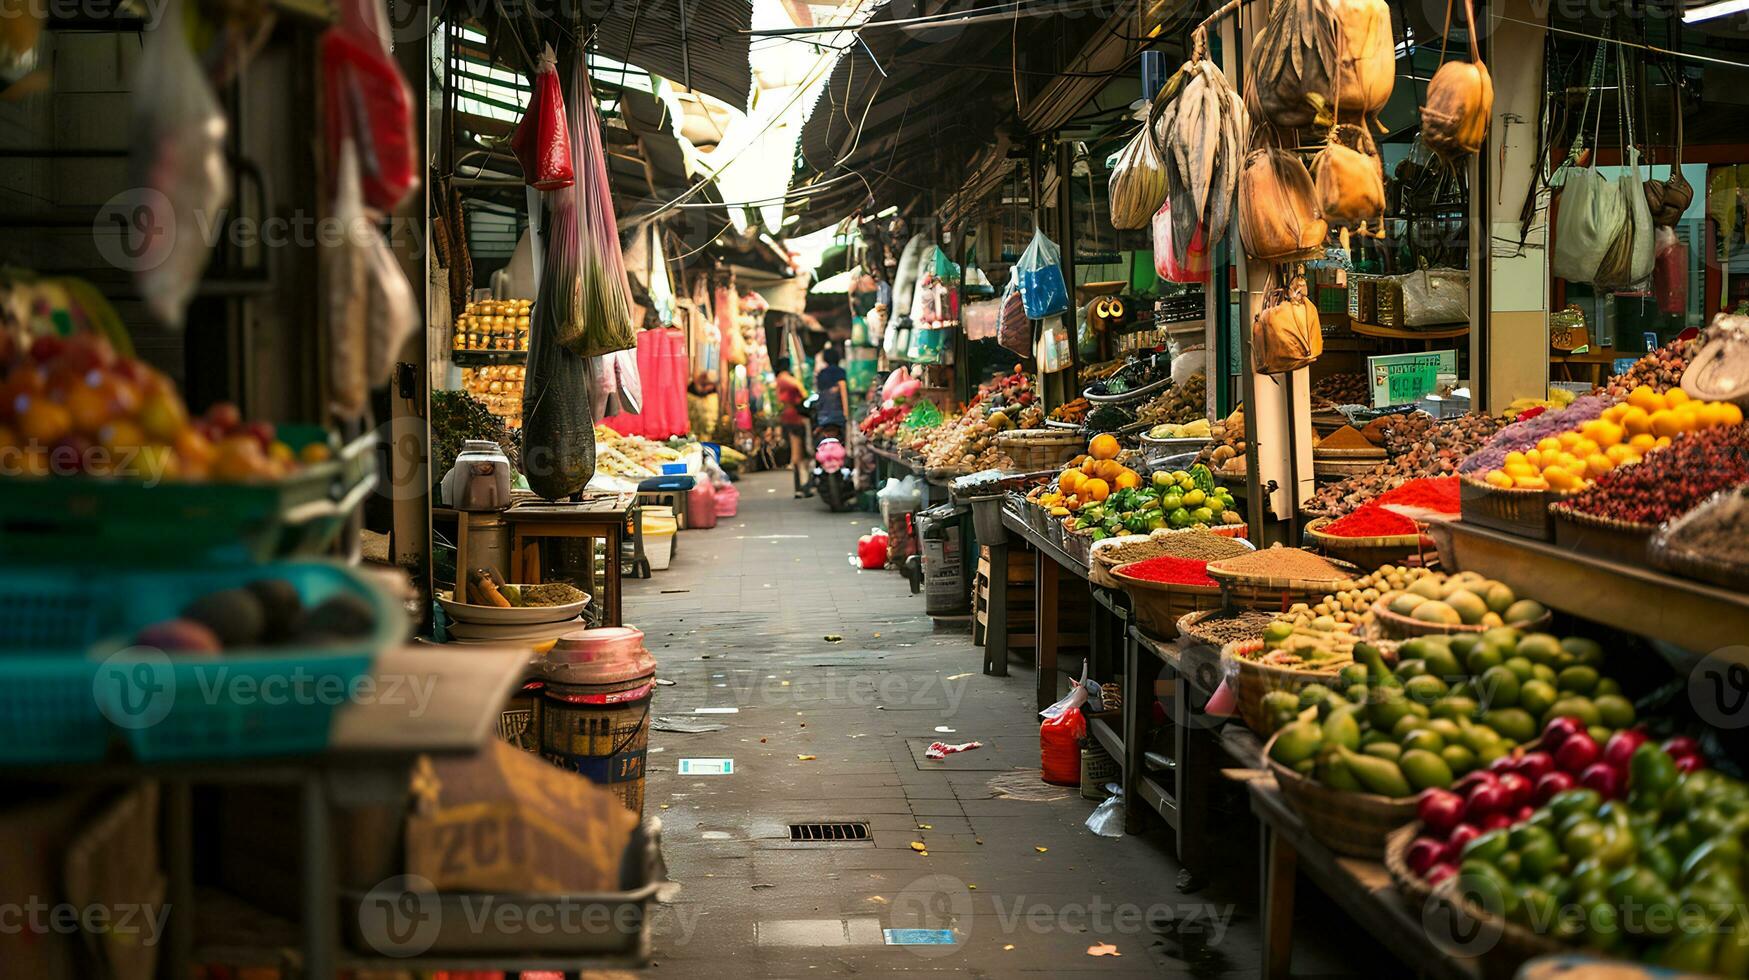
x: 1509, y: 342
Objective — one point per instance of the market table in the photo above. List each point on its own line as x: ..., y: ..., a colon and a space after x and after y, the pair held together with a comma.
x: 600, y: 516
x: 1050, y: 561
x: 1363, y: 889
x: 371, y: 750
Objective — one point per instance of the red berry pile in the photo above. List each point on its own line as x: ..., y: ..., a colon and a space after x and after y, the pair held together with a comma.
x: 1670, y: 481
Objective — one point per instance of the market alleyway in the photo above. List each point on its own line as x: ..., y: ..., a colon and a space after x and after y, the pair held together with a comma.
x: 824, y: 729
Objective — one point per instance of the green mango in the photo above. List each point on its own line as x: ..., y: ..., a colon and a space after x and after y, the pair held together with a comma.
x: 1480, y: 738
x: 1459, y: 758
x: 1379, y: 776
x: 1537, y: 908
x: 1463, y: 643
x: 1443, y: 664
x: 1355, y: 693
x: 1537, y: 696
x: 1487, y: 886
x: 1407, y: 669
x: 1369, y: 655
x: 1578, y: 707
x: 1306, y: 767
x: 1425, y: 769
x: 1313, y: 695
x: 1447, y: 729
x: 1577, y: 679
x: 1389, y: 751
x: 1513, y: 723
x: 1731, y: 957
x: 1541, y: 857
x: 1614, y: 710
x: 1404, y: 726
x: 1690, y: 952
x: 1651, y: 770
x: 1719, y: 857
x: 1455, y: 708
x: 1498, y: 687
x: 1637, y: 887
x: 1483, y: 658
x: 1334, y: 773
x: 1489, y: 847
x: 1422, y: 739
x: 1583, y: 839
x: 1341, y: 728
x: 1607, y: 685
x: 1424, y: 689
x: 1584, y: 650
x: 1351, y: 675
x: 1388, y: 707
x: 1296, y: 742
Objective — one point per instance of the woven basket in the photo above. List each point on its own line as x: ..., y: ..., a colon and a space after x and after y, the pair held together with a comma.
x: 1276, y: 594
x: 1097, y: 769
x: 1367, y: 552
x: 1514, y: 945
x: 1521, y: 512
x: 1159, y: 605
x: 1355, y: 824
x: 1619, y: 541
x: 1190, y: 624
x: 1040, y: 449
x: 1413, y: 886
x: 1398, y: 626
x: 1252, y: 680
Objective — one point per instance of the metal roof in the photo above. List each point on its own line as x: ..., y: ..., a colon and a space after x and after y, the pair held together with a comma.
x: 700, y: 44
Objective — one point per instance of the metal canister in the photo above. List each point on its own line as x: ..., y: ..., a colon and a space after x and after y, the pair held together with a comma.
x: 596, y: 708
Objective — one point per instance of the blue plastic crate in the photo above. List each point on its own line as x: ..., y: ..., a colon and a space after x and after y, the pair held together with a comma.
x: 69, y: 681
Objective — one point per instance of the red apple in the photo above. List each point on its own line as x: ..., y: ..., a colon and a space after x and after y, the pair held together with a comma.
x: 1535, y: 765
x: 1602, y: 777
x: 1439, y: 873
x: 46, y: 348
x: 1620, y: 747
x: 1689, y: 763
x: 263, y: 432
x: 1440, y: 810
x: 1551, y: 783
x: 1495, y: 821
x: 1484, y: 799
x: 1681, y: 745
x: 1517, y: 788
x: 1424, y: 853
x: 1474, y: 778
x: 1577, y: 752
x: 1460, y: 835
x: 1558, y: 730
x: 1523, y: 813
x: 224, y: 417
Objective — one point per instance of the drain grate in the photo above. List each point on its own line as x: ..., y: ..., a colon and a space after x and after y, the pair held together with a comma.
x: 828, y: 832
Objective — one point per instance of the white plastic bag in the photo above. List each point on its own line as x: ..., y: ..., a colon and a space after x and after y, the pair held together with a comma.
x: 1072, y: 701
x: 371, y: 308
x: 178, y: 166
x: 1106, y: 820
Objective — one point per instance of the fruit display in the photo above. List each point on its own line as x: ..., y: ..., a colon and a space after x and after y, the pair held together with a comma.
x: 1073, y: 412
x: 72, y: 406
x: 1463, y: 599
x: 1353, y: 599
x: 1198, y: 429
x: 967, y: 442
x: 1450, y: 706
x: 493, y: 325
x: 1229, y: 442
x: 1178, y: 403
x: 1620, y: 436
x: 267, y: 612
x: 1416, y: 445
x: 1137, y: 372
x: 1641, y: 858
x: 1343, y: 388
x: 631, y: 457
x: 1321, y: 643
x: 1558, y: 398
x: 1671, y: 481
x: 499, y: 388
x: 1660, y: 370
x: 1099, y: 496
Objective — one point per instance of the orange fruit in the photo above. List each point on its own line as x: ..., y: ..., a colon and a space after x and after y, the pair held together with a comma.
x: 1730, y: 414
x: 1667, y: 422
x: 1598, y: 464
x: 1128, y: 480
x: 1497, y: 478
x: 1675, y: 397
x: 1645, y: 398
x: 1104, y: 446
x: 1070, y: 481
x: 1096, y: 490
x: 1643, y: 442
x: 43, y: 422
x: 1549, y: 444
x: 1636, y: 420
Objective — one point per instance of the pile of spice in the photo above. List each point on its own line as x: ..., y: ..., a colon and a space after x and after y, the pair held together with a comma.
x: 1347, y: 437
x: 1168, y: 570
x: 1343, y: 388
x: 1371, y: 520
x: 1178, y: 544
x: 1520, y: 436
x: 1418, y: 445
x: 1715, y: 532
x: 1671, y: 481
x: 1220, y: 628
x: 1280, y: 563
x: 1434, y: 493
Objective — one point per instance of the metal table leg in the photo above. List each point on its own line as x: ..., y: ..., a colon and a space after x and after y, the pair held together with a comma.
x: 320, y: 906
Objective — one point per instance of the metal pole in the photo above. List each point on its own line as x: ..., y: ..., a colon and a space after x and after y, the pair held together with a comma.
x: 1066, y: 239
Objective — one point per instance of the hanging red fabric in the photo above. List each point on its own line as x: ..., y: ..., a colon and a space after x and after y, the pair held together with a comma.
x: 365, y: 96
x: 542, y: 141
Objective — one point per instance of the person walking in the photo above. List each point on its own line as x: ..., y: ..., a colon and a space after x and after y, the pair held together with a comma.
x: 795, y: 426
x: 834, y: 387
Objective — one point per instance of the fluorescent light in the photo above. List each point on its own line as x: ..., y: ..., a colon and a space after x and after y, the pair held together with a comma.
x: 1713, y: 11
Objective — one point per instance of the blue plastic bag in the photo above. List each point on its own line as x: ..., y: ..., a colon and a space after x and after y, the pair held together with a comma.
x: 1041, y: 278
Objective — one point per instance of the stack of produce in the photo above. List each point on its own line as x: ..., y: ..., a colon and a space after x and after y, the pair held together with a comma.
x: 1558, y: 398
x: 1197, y: 429
x: 1322, y: 643
x: 1073, y: 412
x: 1102, y: 370
x: 918, y: 426
x: 968, y: 442
x: 1100, y: 497
x: 1200, y: 545
x: 631, y: 457
x: 1229, y: 442
x: 1660, y: 370
x: 1178, y: 403
x: 499, y: 388
x: 1452, y: 705
x: 1224, y: 626
x: 1525, y: 434
x: 1671, y: 481
x: 267, y: 612
x: 1416, y: 445
x: 492, y: 324
x: 1622, y: 434
x: 1463, y: 599
x: 70, y: 406
x: 1279, y: 563
x: 1647, y: 868
x: 1343, y: 388
x: 882, y: 424
x: 1353, y: 599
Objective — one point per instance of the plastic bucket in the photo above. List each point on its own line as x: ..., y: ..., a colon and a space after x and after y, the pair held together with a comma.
x: 987, y: 519
x: 595, y: 715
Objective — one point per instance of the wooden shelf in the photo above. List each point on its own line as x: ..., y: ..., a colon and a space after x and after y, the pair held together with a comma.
x: 1692, y: 615
x: 1397, y: 333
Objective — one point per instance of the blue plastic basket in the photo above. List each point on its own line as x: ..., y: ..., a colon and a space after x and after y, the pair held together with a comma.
x: 69, y: 681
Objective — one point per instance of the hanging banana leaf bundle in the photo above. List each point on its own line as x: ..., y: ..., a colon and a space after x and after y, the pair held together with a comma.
x: 1198, y: 123
x: 1138, y: 182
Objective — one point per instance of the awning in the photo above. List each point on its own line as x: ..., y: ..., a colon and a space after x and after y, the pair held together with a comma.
x: 700, y: 44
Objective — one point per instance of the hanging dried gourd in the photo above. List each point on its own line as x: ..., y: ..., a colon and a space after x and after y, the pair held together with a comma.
x: 1293, y: 67
x: 1198, y: 122
x: 1138, y: 182
x: 1460, y: 98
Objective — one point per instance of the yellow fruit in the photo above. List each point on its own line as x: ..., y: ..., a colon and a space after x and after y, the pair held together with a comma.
x: 1569, y: 439
x: 1517, y: 470
x: 1515, y: 457
x: 1667, y: 422
x: 1090, y: 466
x: 1614, y: 412
x: 1643, y: 442
x: 1096, y: 490
x: 1496, y: 478
x: 1661, y: 443
x: 1598, y: 464
x: 1636, y: 420
x: 1109, y: 469
x: 1619, y: 452
x: 1675, y: 397
x: 1530, y: 483
x: 1104, y: 446
x: 1645, y: 398
x: 1534, y: 457
x: 1070, y: 481
x: 1128, y: 480
x: 1630, y: 459
x: 1714, y: 414
x: 1561, y: 479
x: 1730, y: 414
x: 1550, y: 445
x: 1586, y: 447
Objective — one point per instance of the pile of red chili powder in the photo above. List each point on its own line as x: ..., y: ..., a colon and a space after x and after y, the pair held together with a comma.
x: 1374, y: 520
x: 1168, y: 570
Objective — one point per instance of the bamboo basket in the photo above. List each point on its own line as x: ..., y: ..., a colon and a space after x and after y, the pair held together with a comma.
x: 1040, y: 449
x: 1367, y: 552
x: 1521, y: 512
x: 1159, y: 605
x: 1273, y: 594
x: 1355, y: 824
x: 1189, y: 624
x: 1664, y: 553
x: 1623, y: 542
x: 1252, y: 680
x: 1391, y: 625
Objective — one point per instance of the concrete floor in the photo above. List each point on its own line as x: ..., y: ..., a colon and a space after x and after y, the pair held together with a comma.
x: 829, y: 729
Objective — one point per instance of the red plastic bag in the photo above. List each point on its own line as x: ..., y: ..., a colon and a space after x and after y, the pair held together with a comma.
x: 365, y: 97
x: 1670, y: 273
x: 1190, y: 267
x: 1059, y: 747
x: 542, y: 141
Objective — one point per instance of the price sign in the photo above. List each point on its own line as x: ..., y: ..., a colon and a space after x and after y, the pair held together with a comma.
x: 1400, y: 378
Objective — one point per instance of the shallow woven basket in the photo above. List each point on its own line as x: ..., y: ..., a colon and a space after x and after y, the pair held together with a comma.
x: 1355, y: 824
x: 1159, y: 605
x: 1040, y: 449
x: 1619, y: 541
x: 1398, y: 626
x: 1189, y: 623
x: 1521, y: 512
x: 1411, y: 885
x: 1273, y: 594
x: 1252, y: 680
x: 1367, y: 552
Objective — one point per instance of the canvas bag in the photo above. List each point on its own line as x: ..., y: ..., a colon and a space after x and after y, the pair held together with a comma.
x: 1350, y: 178
x: 1592, y: 213
x: 1278, y: 207
x: 1286, y: 336
x: 1460, y: 98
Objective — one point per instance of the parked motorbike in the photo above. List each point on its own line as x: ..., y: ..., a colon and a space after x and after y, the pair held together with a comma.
x: 834, y: 480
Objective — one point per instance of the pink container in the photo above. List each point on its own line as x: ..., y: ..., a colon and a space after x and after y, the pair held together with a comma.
x: 701, y: 505
x: 728, y: 499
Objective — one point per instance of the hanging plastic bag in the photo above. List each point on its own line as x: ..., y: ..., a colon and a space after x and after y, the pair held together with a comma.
x: 542, y: 141
x: 1192, y: 267
x: 372, y: 308
x: 928, y: 345
x: 558, y: 422
x: 1016, y: 327
x: 599, y: 320
x: 178, y: 161
x: 1040, y: 273
x: 1670, y: 272
x: 366, y: 98
x: 1060, y: 735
